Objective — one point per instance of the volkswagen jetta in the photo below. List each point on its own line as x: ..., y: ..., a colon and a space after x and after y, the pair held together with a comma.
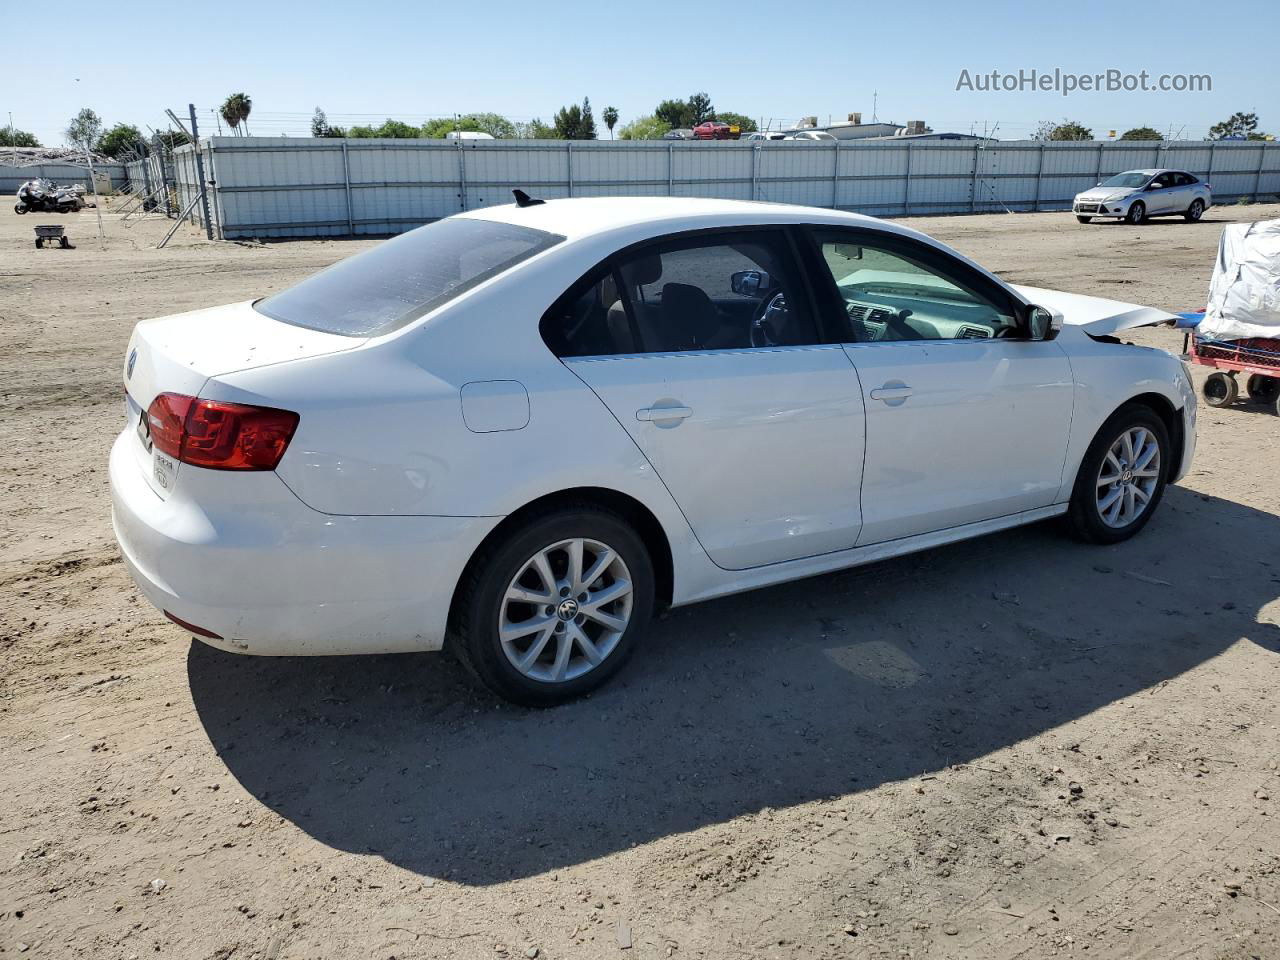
x: 516, y: 431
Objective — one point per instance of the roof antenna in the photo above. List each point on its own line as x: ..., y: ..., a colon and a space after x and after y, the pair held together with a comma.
x: 524, y: 200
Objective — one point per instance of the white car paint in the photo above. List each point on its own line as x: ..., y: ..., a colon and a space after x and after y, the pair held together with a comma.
x: 413, y: 445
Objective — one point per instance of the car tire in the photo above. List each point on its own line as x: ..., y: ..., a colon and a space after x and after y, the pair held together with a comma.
x: 1220, y: 389
x: 505, y: 573
x: 1262, y: 388
x: 1084, y: 219
x: 1195, y: 211
x: 1092, y: 514
x: 1137, y: 213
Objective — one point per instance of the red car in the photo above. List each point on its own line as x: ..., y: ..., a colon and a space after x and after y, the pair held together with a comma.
x: 716, y: 130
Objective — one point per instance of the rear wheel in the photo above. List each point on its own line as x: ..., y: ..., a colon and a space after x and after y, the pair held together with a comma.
x: 555, y: 609
x: 1122, y: 478
x: 1220, y: 390
x: 1262, y: 388
x: 1084, y: 219
x: 1195, y: 211
x: 1137, y: 213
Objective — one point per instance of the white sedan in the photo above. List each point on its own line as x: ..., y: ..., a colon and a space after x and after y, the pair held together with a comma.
x: 1136, y: 195
x: 517, y: 431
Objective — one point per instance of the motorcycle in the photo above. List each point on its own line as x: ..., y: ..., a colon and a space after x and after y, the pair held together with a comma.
x: 42, y: 196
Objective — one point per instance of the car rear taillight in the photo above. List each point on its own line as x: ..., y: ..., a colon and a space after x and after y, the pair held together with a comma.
x: 219, y: 435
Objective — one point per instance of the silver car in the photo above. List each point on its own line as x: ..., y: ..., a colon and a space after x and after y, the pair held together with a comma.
x: 1134, y: 195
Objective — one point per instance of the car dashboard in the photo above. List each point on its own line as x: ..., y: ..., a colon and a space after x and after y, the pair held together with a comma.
x: 892, y: 312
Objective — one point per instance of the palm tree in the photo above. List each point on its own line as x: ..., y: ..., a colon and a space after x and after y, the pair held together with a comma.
x: 231, y: 114
x: 236, y: 109
x: 610, y: 117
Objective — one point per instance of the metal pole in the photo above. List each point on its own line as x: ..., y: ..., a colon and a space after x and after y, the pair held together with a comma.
x: 1257, y: 177
x: 1212, y: 150
x: 671, y: 168
x: 568, y: 146
x: 346, y: 180
x: 1097, y: 174
x: 835, y: 179
x: 93, y: 185
x: 973, y: 187
x: 462, y: 175
x: 1039, y: 176
x: 204, y: 194
x: 755, y: 171
x: 906, y: 186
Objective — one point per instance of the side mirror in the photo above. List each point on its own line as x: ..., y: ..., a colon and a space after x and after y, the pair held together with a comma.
x: 1042, y: 324
x: 749, y: 283
x: 1153, y: 186
x: 850, y: 251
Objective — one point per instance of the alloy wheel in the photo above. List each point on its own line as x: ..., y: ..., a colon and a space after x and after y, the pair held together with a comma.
x: 1128, y: 477
x: 566, y: 610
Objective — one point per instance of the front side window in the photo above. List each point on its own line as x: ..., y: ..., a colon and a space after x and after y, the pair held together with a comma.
x: 711, y: 292
x: 895, y: 293
x: 403, y: 278
x: 1165, y: 180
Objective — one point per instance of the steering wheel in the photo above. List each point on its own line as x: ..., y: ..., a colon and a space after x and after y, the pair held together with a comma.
x: 772, y: 310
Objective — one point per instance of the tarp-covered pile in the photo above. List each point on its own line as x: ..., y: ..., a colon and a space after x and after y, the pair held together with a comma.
x: 1244, y: 293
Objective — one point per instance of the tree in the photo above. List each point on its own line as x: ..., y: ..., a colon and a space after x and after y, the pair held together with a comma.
x: 587, y: 129
x: 1071, y: 130
x: 535, y: 129
x: 319, y: 124
x: 576, y: 123
x: 494, y: 124
x: 700, y: 108
x: 674, y: 113
x: 644, y: 128
x: 397, y: 130
x: 610, y: 118
x: 1141, y: 133
x: 742, y: 121
x: 84, y: 129
x: 1237, y: 125
x: 13, y: 137
x: 236, y: 109
x: 360, y: 132
x: 117, y: 140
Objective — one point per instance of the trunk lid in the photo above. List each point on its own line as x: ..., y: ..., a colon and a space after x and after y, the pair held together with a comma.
x: 179, y: 353
x: 1097, y: 316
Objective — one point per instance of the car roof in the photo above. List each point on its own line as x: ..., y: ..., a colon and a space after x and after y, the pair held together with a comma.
x: 586, y: 216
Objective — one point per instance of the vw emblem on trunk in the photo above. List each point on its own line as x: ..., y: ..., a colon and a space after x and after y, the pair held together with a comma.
x: 133, y: 358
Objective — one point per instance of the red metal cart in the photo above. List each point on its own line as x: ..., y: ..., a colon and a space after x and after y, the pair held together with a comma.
x: 1257, y: 358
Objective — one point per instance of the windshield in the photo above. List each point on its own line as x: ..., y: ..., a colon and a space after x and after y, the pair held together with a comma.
x: 1127, y: 180
x: 403, y: 278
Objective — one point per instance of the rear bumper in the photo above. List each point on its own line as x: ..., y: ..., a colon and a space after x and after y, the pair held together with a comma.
x: 240, y: 556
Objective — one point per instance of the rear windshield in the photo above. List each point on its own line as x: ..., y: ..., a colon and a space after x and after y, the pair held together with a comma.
x: 403, y: 278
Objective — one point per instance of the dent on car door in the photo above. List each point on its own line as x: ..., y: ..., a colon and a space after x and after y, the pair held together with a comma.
x: 966, y: 419
x: 706, y: 350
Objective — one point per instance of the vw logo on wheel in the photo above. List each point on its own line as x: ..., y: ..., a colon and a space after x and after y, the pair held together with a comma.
x: 568, y: 609
x: 133, y: 358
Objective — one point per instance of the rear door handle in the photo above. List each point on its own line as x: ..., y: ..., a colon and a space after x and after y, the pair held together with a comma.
x: 890, y: 392
x: 663, y: 413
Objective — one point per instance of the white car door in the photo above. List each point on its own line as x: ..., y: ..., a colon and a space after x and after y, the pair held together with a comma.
x: 1162, y: 199
x: 707, y: 352
x: 967, y: 420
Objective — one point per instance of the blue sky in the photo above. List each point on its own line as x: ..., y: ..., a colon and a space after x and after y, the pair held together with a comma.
x: 371, y: 60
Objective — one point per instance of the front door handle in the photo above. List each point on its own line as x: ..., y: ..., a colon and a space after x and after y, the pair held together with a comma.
x: 658, y: 414
x: 892, y: 393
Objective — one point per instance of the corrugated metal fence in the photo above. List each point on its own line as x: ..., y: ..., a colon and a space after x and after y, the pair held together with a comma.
x: 301, y: 187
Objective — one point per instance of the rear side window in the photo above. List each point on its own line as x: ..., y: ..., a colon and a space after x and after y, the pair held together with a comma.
x: 403, y: 278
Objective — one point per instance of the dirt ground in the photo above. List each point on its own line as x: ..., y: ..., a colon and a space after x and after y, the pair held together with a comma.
x: 1016, y: 747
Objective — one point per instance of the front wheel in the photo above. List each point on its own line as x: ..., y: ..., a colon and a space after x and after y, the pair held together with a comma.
x: 1122, y: 478
x: 1195, y: 211
x: 19, y: 208
x: 1262, y: 388
x: 1084, y: 219
x: 555, y: 608
x: 1220, y: 389
x: 1137, y: 213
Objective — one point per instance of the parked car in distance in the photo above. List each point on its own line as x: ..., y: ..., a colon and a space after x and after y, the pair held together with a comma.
x: 517, y: 431
x: 468, y: 135
x: 678, y: 133
x: 764, y: 135
x: 810, y: 135
x: 1135, y: 195
x: 716, y: 130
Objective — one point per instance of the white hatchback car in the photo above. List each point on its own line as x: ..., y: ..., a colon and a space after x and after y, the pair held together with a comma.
x: 518, y: 430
